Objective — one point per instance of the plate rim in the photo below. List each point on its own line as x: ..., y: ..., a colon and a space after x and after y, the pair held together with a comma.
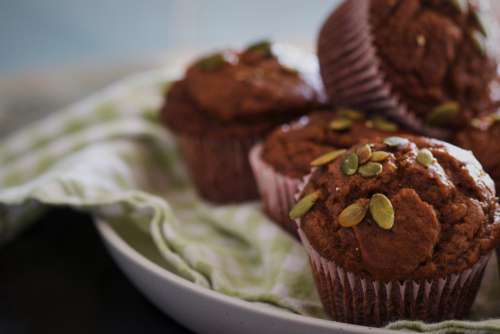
x: 108, y: 233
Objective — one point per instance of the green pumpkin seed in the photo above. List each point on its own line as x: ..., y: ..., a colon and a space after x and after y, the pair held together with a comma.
x: 395, y: 141
x: 364, y: 153
x: 304, y: 205
x: 425, y: 157
x: 350, y: 164
x: 476, y: 123
x: 460, y: 5
x: 443, y: 114
x: 379, y: 156
x: 340, y: 124
x: 479, y: 21
x: 353, y: 115
x: 382, y: 211
x: 327, y: 158
x: 371, y: 169
x: 479, y: 42
x: 421, y: 40
x: 495, y: 118
x: 212, y: 62
x: 352, y: 215
x: 263, y: 47
x: 384, y: 125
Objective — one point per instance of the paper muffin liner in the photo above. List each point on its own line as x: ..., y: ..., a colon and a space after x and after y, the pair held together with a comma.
x: 498, y: 258
x: 348, y: 297
x: 351, y: 69
x: 219, y: 168
x: 277, y: 191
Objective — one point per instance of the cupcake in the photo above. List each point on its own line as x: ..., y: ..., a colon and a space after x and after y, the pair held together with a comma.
x: 289, y: 152
x: 406, y: 236
x: 228, y: 101
x: 426, y: 64
x: 481, y: 138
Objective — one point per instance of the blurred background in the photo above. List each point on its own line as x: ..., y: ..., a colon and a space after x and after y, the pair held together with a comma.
x: 53, y: 52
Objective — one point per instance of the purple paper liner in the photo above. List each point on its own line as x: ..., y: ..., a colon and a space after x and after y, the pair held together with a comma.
x: 351, y: 298
x: 277, y: 191
x: 498, y: 258
x: 351, y: 69
x: 219, y: 168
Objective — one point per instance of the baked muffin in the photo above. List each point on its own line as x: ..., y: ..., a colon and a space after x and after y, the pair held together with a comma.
x: 228, y: 101
x: 481, y: 137
x: 428, y: 64
x: 289, y: 152
x: 406, y: 237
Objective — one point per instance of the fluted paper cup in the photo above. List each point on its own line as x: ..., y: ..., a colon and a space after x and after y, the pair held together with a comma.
x: 277, y: 191
x: 351, y: 71
x: 351, y: 298
x: 219, y: 168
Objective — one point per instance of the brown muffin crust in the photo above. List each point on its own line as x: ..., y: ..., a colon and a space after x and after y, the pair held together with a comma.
x: 432, y: 52
x: 481, y: 137
x: 290, y: 148
x: 244, y: 93
x: 445, y: 214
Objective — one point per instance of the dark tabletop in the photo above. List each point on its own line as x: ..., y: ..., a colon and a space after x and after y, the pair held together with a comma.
x: 58, y: 278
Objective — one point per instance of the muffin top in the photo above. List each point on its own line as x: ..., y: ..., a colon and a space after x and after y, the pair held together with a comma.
x: 437, y: 56
x: 291, y: 148
x: 244, y: 92
x: 481, y: 137
x: 421, y: 209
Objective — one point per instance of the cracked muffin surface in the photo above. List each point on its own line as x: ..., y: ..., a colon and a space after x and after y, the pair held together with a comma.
x: 243, y: 93
x: 434, y: 53
x: 443, y: 205
x: 290, y: 148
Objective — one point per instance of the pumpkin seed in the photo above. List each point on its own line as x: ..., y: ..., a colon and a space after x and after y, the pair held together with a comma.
x: 479, y: 42
x: 364, y: 153
x: 340, y: 124
x: 212, y: 62
x: 421, y: 40
x: 384, y: 125
x: 353, y: 115
x: 495, y: 117
x: 479, y: 21
x: 353, y: 215
x: 263, y: 47
x: 371, y: 169
x: 443, y: 114
x: 476, y: 123
x: 350, y: 164
x: 304, y: 205
x: 382, y: 211
x: 425, y: 157
x: 379, y: 156
x: 327, y: 158
x: 460, y: 5
x: 395, y: 141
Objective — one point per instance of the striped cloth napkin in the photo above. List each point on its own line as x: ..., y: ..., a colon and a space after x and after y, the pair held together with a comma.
x: 109, y: 156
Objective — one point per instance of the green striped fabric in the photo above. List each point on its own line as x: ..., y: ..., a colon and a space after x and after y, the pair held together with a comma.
x: 109, y: 156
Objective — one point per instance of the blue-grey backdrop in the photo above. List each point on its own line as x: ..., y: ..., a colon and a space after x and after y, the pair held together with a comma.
x: 41, y: 34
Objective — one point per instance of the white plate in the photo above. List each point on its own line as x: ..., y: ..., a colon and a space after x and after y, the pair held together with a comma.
x: 206, y: 311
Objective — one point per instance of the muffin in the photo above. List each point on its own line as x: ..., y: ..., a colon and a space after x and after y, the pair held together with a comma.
x: 406, y: 237
x: 427, y: 64
x: 289, y: 152
x: 481, y: 138
x: 228, y: 101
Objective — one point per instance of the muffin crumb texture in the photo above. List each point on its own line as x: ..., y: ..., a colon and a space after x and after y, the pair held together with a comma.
x: 291, y: 148
x: 444, y: 207
x: 434, y: 54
